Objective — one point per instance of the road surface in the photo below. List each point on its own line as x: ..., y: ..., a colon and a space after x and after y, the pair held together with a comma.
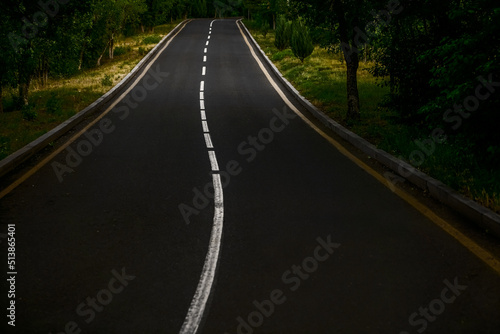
x: 202, y: 203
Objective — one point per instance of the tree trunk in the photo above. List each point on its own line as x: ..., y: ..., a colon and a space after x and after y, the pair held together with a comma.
x: 26, y: 72
x: 80, y: 61
x: 23, y: 92
x: 111, y: 46
x: 353, y: 112
x: 44, y: 71
x: 351, y: 56
x: 102, y: 54
x: 99, y: 59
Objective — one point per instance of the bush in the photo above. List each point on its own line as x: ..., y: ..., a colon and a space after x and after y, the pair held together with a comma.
x: 53, y: 104
x: 143, y: 51
x: 107, y: 80
x: 120, y: 50
x: 28, y: 112
x: 153, y: 39
x: 283, y: 33
x: 264, y: 28
x: 17, y: 102
x: 301, y: 41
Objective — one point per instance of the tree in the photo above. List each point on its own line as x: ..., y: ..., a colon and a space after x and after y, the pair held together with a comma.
x: 224, y: 8
x: 7, y: 55
x: 437, y: 54
x: 283, y: 33
x: 269, y: 9
x: 343, y: 22
x: 110, y: 18
x: 42, y: 38
x: 301, y: 42
x: 199, y: 8
x: 24, y: 35
x: 157, y: 12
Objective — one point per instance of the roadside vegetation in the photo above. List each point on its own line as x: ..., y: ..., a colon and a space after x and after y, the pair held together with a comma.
x: 321, y: 78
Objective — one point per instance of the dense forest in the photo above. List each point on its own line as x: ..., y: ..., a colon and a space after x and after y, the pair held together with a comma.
x: 439, y: 58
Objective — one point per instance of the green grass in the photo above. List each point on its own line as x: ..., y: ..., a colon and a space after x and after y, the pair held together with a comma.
x: 322, y: 80
x: 62, y: 98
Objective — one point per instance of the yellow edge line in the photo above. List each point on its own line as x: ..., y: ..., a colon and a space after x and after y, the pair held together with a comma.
x: 36, y: 168
x: 477, y: 250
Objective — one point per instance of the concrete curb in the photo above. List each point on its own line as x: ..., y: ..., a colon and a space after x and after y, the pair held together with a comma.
x: 480, y: 215
x: 21, y: 155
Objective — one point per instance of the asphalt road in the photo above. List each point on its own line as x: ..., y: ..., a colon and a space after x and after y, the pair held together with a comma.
x: 221, y: 181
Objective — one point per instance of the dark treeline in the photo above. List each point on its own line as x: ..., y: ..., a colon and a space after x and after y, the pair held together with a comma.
x: 439, y: 57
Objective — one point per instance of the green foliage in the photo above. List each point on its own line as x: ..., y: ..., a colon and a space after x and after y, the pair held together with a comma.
x: 434, y: 60
x: 53, y: 104
x: 107, y: 80
x: 301, y: 42
x: 157, y: 12
x: 121, y: 50
x: 264, y: 28
x: 29, y: 113
x: 283, y: 33
x: 153, y: 39
x: 227, y: 8
x: 278, y: 56
x: 199, y: 8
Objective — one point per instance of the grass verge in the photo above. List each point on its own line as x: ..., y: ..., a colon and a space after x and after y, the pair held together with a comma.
x: 322, y: 80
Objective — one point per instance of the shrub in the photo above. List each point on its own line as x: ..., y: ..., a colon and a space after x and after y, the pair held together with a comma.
x: 301, y: 41
x: 53, y: 104
x: 28, y: 112
x: 153, y: 39
x: 283, y: 33
x: 107, y: 80
x: 264, y: 28
x: 120, y: 50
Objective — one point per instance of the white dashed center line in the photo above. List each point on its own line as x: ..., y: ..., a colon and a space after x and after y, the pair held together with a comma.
x: 213, y: 161
x: 204, y: 124
x: 200, y: 298
x: 208, y: 140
